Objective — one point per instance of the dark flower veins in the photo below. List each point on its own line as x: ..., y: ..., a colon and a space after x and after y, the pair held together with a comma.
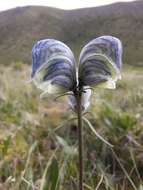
x: 53, y: 66
x: 54, y: 69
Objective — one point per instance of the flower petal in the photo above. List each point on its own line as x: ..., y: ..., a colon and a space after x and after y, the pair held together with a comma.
x: 100, y: 62
x: 85, y: 99
x: 53, y: 66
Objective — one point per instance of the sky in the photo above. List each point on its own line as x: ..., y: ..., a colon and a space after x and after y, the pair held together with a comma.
x: 63, y: 4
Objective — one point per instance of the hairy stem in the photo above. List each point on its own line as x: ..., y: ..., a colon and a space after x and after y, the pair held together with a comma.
x: 80, y: 139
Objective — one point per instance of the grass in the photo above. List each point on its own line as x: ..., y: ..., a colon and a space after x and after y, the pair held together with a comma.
x: 37, y: 136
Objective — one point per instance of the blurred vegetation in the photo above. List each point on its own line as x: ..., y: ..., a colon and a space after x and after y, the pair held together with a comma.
x: 38, y: 138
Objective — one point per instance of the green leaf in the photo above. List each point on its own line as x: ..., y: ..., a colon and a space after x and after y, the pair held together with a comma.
x: 141, y: 187
x: 96, y: 133
x: 69, y: 150
x: 7, y: 143
x: 51, y: 176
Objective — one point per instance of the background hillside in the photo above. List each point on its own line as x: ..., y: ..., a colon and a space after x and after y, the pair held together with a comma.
x: 21, y: 27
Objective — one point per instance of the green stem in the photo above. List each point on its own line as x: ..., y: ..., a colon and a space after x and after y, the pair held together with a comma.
x: 80, y: 139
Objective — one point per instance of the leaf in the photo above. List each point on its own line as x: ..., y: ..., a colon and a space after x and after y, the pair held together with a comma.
x: 50, y: 178
x: 69, y: 150
x: 95, y: 132
x: 140, y: 187
x: 6, y: 145
x: 27, y: 172
x: 124, y: 170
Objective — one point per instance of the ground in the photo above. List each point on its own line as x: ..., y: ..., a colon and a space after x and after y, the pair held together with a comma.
x: 35, y: 132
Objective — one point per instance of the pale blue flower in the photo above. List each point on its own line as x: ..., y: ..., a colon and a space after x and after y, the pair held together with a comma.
x: 54, y: 68
x: 100, y: 62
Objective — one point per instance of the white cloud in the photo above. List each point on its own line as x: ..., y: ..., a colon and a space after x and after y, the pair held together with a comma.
x: 64, y: 4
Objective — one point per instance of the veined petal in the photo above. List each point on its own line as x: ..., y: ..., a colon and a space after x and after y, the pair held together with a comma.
x: 100, y: 62
x: 85, y: 99
x: 53, y: 66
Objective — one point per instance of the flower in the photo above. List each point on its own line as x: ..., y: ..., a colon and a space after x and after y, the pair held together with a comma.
x: 85, y: 100
x: 100, y: 62
x: 54, y: 67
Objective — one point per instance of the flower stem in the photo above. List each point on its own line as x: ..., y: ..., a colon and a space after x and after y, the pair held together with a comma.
x: 80, y: 139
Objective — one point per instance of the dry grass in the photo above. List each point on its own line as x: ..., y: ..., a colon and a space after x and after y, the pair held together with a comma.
x: 26, y: 121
